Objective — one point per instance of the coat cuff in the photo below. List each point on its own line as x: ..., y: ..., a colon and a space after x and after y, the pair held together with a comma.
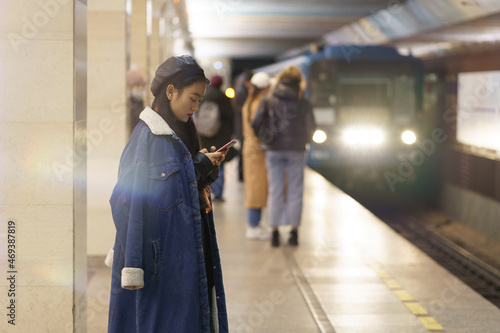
x: 202, y: 166
x: 132, y: 278
x: 109, y: 258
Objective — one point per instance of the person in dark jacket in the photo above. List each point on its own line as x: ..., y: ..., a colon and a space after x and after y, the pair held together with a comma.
x: 285, y: 122
x: 166, y: 267
x: 215, y: 94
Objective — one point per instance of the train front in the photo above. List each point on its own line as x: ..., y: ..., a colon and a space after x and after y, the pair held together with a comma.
x: 365, y: 109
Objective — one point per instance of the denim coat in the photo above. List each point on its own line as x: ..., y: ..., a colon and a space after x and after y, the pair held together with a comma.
x: 159, y: 281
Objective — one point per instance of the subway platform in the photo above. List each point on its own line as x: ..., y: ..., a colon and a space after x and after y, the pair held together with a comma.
x: 350, y: 274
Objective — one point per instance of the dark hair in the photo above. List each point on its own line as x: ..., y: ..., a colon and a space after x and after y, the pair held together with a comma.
x: 186, y: 131
x: 247, y: 74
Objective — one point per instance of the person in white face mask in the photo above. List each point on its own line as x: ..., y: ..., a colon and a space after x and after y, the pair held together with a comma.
x: 136, y: 95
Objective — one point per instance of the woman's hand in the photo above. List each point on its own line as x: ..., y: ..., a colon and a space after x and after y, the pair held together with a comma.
x: 215, y: 157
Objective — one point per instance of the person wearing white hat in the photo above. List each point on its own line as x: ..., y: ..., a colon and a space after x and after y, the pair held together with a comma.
x: 254, y: 159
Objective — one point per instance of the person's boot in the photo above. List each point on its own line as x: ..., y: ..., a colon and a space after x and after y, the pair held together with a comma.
x: 275, y: 239
x: 294, y: 238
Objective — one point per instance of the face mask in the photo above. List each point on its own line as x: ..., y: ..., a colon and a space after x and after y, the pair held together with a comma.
x: 137, y: 94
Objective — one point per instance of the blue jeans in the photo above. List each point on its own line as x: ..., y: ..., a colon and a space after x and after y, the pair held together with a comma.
x: 217, y: 186
x: 254, y: 215
x: 283, y: 212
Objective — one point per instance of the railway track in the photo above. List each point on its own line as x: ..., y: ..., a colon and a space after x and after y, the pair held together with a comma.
x: 472, y: 270
x: 401, y: 215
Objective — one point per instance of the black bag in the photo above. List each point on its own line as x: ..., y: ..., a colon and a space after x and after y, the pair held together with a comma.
x: 262, y: 124
x: 266, y: 133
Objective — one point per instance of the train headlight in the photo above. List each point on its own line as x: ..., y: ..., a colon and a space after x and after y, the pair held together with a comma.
x: 363, y: 137
x: 319, y: 136
x: 408, y: 137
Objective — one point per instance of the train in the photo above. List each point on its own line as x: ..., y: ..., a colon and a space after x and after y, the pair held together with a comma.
x: 366, y: 102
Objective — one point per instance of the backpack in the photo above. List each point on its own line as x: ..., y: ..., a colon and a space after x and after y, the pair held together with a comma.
x: 207, y: 119
x: 264, y: 124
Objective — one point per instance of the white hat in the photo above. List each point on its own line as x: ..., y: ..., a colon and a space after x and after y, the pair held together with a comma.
x: 261, y: 80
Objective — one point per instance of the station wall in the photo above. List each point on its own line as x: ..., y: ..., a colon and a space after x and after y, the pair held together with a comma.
x: 471, y: 175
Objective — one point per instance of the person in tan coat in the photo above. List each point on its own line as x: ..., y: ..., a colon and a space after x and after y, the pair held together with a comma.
x: 254, y: 159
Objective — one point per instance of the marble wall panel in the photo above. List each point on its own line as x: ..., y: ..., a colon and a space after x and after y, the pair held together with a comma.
x: 37, y: 163
x: 42, y: 176
x: 36, y: 312
x: 138, y: 36
x: 108, y: 5
x: 106, y: 35
x: 106, y: 88
x: 36, y: 83
x: 31, y: 20
x: 106, y: 134
x: 44, y: 244
x: 106, y: 123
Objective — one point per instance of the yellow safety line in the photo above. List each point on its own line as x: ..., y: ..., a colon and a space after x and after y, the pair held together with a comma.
x: 403, y: 295
x: 416, y: 308
x: 413, y: 306
x: 382, y: 273
x: 431, y: 324
x: 392, y: 284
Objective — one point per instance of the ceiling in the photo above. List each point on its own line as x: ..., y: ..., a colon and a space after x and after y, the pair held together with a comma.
x: 273, y: 28
x: 262, y: 28
x: 479, y: 33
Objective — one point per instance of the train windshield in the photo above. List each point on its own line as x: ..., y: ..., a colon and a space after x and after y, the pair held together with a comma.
x: 365, y: 92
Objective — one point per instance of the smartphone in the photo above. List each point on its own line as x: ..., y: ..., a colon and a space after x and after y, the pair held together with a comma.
x: 226, y: 146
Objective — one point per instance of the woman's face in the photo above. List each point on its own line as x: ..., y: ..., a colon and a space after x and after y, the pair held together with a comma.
x: 185, y: 103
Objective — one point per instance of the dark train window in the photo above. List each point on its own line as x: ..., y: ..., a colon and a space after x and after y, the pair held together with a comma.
x: 322, y: 83
x: 364, y: 92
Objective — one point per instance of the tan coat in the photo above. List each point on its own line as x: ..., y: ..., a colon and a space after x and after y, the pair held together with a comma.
x: 254, y: 159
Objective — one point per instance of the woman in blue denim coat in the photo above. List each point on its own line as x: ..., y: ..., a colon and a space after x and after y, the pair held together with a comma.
x: 166, y: 265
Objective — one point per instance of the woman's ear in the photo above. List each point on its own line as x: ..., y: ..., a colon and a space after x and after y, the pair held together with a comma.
x: 171, y: 92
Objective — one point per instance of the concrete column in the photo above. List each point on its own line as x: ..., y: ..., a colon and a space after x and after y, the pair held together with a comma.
x: 43, y: 165
x: 138, y: 36
x: 154, y: 50
x: 155, y: 60
x: 106, y: 116
x: 169, y: 42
